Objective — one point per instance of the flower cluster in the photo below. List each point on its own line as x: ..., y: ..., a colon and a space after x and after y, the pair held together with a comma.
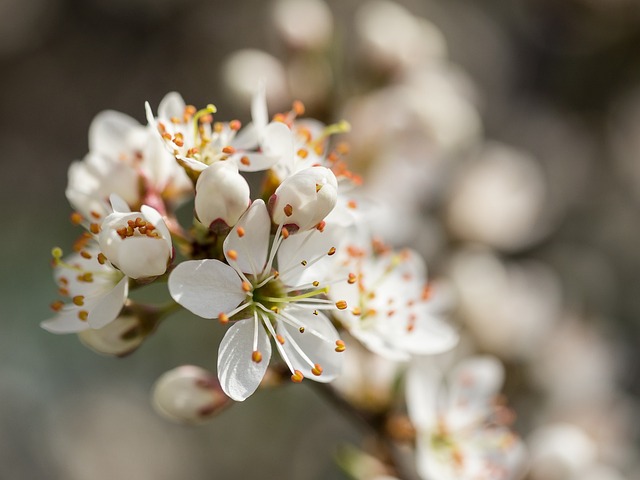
x: 292, y: 264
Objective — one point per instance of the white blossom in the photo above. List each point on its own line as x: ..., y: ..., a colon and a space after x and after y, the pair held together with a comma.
x: 393, y: 312
x: 461, y: 432
x: 137, y: 243
x: 262, y: 302
x: 96, y: 291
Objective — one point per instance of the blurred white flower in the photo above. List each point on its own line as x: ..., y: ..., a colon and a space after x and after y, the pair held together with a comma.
x: 303, y: 24
x: 498, y: 199
x: 393, y: 38
x: 461, y: 430
x: 392, y: 311
x: 509, y: 308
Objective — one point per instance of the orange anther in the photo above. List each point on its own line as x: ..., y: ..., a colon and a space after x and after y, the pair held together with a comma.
x: 331, y: 251
x: 340, y: 346
x: 280, y: 339
x: 288, y: 210
x: 298, y: 107
x: 76, y: 218
x: 223, y: 318
x: 285, y: 232
x: 94, y: 228
x: 297, y: 376
x: 232, y: 254
x: 83, y: 315
x: 341, y: 304
x: 256, y: 356
x: 246, y: 286
x: 229, y: 150
x: 235, y: 125
x: 244, y: 160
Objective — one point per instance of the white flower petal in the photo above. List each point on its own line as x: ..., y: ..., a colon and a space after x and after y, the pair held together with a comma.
x: 239, y: 375
x: 259, y: 113
x: 378, y: 344
x: 153, y: 216
x: 206, y: 287
x: 422, y: 387
x: 172, y: 105
x: 306, y: 246
x: 108, y: 132
x: 254, y: 161
x: 429, y: 336
x: 66, y: 321
x: 247, y: 138
x: 319, y: 348
x: 108, y: 307
x: 118, y: 204
x: 143, y: 257
x: 277, y: 141
x: 475, y: 382
x: 252, y: 247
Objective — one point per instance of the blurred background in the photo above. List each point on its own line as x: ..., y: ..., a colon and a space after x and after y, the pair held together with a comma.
x: 505, y: 136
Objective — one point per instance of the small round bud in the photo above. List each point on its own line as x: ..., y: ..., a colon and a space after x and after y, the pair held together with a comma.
x: 304, y: 199
x: 222, y: 194
x: 189, y: 395
x: 118, y: 338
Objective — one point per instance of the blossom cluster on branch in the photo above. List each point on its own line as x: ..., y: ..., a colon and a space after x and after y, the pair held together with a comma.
x: 291, y: 264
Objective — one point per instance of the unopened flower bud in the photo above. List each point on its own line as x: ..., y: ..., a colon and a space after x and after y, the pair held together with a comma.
x: 138, y: 243
x: 222, y: 195
x: 188, y: 394
x: 118, y: 338
x: 304, y: 199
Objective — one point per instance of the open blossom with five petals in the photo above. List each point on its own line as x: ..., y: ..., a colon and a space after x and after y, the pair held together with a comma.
x: 137, y: 243
x: 462, y: 431
x: 284, y: 304
x: 392, y: 311
x: 96, y: 291
x: 197, y: 141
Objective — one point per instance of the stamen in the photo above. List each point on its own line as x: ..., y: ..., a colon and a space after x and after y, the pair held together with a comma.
x: 256, y: 356
x: 223, y: 318
x: 340, y: 346
x: 76, y: 218
x: 232, y: 254
x: 297, y: 376
x: 83, y: 315
x: 341, y: 305
x: 78, y: 300
x: 240, y: 232
x: 288, y: 210
x: 317, y: 370
x: 244, y: 160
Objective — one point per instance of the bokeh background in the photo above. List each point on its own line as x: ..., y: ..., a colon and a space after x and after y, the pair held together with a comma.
x: 554, y: 82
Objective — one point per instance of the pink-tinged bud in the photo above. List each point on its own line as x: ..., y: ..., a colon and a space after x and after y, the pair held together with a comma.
x: 222, y: 195
x: 304, y: 199
x: 188, y: 394
x: 137, y: 243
